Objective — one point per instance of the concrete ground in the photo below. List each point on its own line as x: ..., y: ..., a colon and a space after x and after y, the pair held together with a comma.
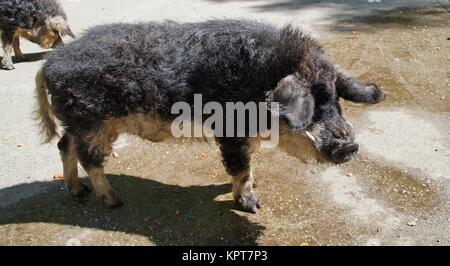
x: 396, y: 192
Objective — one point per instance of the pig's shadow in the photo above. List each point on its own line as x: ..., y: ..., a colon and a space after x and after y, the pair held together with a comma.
x: 166, y: 214
x: 31, y: 57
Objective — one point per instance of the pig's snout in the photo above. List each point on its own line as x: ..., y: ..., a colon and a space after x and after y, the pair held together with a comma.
x: 345, y: 153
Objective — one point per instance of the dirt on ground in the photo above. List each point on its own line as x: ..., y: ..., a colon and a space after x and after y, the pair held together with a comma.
x: 396, y: 192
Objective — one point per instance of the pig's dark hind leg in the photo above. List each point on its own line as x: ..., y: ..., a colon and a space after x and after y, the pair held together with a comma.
x: 237, y: 155
x: 92, y: 150
x: 356, y: 91
x: 67, y: 150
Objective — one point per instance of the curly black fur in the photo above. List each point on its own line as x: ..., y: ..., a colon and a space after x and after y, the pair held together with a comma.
x: 119, y: 69
x: 28, y: 14
x: 235, y: 157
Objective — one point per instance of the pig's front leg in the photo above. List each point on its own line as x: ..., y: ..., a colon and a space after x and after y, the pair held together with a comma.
x: 7, y: 40
x: 237, y: 155
x: 243, y: 194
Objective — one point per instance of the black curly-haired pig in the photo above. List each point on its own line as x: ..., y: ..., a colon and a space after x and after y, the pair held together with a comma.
x: 39, y: 21
x: 126, y: 77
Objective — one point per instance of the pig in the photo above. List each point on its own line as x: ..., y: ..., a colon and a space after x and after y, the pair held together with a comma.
x: 124, y: 78
x: 39, y: 21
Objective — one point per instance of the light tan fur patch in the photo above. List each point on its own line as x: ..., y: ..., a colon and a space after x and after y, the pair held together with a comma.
x: 298, y: 145
x: 70, y: 165
x: 146, y: 127
x: 102, y: 187
x: 43, y: 36
x: 44, y: 112
x: 243, y: 183
x: 7, y: 57
x: 58, y: 24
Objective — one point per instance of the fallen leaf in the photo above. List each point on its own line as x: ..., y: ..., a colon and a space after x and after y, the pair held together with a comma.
x: 37, y: 206
x: 115, y: 155
x: 349, y: 174
x: 58, y: 176
x: 178, y: 213
x: 412, y: 223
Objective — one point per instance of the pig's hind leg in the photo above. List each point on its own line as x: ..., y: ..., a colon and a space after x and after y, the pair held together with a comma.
x: 68, y: 152
x: 92, y: 150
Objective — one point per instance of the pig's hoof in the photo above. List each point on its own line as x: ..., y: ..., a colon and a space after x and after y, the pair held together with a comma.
x: 8, y: 66
x: 112, y: 201
x: 7, y: 63
x: 248, y: 202
x: 83, y: 192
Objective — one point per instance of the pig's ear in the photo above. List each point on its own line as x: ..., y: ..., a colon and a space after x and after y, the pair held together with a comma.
x: 296, y: 103
x: 356, y: 91
x: 60, y: 25
x: 67, y: 31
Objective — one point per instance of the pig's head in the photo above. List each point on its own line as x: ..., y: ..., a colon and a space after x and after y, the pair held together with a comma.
x: 313, y: 111
x: 50, y: 34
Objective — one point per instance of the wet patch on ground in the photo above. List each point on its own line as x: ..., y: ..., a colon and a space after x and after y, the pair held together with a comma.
x: 399, y: 189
